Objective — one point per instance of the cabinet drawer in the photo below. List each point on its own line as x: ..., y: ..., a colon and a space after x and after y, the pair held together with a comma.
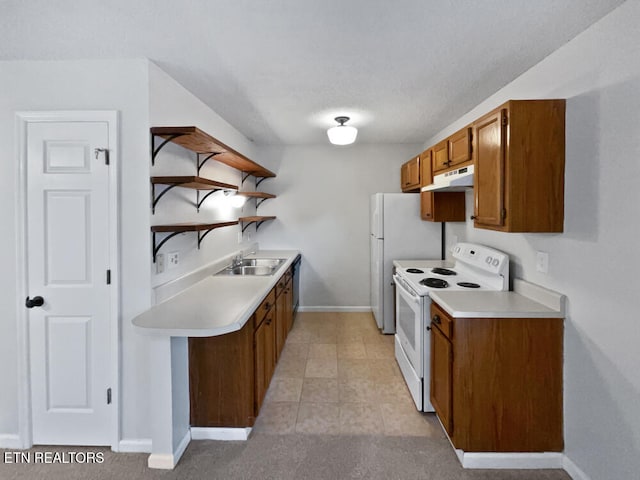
x: 280, y: 286
x: 266, y: 305
x: 442, y: 320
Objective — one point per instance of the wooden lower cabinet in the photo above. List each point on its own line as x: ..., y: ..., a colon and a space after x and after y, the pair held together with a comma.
x: 496, y: 383
x: 229, y: 374
x: 221, y: 379
x: 264, y: 357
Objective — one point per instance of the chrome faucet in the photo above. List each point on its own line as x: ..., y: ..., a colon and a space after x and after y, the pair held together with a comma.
x: 237, y: 260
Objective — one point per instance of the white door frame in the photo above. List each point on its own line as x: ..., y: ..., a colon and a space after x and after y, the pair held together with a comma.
x: 25, y: 427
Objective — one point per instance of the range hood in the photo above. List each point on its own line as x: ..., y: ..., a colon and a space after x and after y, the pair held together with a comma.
x: 452, y: 181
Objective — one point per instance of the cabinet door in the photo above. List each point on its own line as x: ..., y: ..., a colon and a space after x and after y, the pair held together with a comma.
x: 264, y: 357
x: 288, y: 292
x: 442, y: 377
x: 459, y: 145
x: 440, y: 157
x: 281, y: 322
x: 410, y: 175
x: 426, y: 175
x: 489, y: 170
x: 426, y: 206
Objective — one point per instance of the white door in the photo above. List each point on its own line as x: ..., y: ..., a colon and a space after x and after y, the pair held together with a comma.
x: 68, y: 254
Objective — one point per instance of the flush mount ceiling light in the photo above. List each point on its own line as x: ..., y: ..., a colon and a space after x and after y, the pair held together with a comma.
x: 342, y: 134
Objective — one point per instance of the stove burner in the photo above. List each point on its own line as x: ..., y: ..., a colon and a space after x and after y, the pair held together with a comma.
x: 468, y: 284
x: 443, y: 271
x: 434, y: 282
x: 414, y: 270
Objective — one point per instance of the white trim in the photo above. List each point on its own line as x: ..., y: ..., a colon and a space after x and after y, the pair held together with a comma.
x: 166, y: 461
x: 334, y: 309
x: 216, y: 433
x: 24, y: 377
x: 10, y: 441
x: 135, y: 445
x: 573, y: 470
x: 523, y: 461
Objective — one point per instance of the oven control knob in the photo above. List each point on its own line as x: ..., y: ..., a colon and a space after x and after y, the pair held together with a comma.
x: 495, y: 262
x: 488, y: 260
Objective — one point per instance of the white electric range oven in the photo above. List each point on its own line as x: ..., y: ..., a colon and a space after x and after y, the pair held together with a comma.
x: 476, y: 268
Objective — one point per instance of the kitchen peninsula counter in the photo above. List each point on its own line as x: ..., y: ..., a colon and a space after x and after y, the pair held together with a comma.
x: 215, y: 305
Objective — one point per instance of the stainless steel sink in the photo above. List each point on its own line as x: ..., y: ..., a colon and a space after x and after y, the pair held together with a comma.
x: 254, y: 266
x: 262, y: 262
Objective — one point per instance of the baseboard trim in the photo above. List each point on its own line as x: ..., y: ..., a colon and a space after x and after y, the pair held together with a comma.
x: 135, y: 445
x: 573, y: 470
x: 215, y: 433
x: 167, y: 461
x: 521, y: 461
x: 11, y: 441
x: 354, y: 309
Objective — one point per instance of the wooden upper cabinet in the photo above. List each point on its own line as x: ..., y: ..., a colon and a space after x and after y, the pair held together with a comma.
x: 410, y: 175
x: 459, y: 146
x: 440, y: 157
x: 519, y: 158
x: 489, y: 170
x: 426, y: 175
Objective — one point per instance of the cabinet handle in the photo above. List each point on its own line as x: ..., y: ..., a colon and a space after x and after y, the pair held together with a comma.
x: 268, y: 321
x: 267, y: 306
x: 473, y: 217
x: 436, y: 320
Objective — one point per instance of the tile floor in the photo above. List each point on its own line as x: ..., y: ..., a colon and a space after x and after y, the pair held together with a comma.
x: 338, y: 375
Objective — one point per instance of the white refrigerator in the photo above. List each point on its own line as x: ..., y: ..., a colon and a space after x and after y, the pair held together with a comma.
x: 397, y: 233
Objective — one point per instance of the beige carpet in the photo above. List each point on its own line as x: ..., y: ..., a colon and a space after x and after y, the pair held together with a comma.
x: 283, y: 457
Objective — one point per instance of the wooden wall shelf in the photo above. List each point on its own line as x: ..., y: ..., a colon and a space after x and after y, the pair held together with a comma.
x: 194, y: 139
x: 192, y: 182
x: 258, y: 220
x: 177, y: 228
x: 259, y: 196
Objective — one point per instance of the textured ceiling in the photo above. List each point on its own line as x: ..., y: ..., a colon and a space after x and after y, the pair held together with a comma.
x: 280, y: 70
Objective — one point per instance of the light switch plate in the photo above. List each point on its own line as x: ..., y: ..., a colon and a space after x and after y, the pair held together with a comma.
x: 542, y: 262
x: 160, y: 263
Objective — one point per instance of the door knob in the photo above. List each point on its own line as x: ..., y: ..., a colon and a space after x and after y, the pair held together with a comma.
x: 34, y: 302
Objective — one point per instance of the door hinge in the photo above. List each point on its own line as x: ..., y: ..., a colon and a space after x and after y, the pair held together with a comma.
x: 503, y: 214
x: 108, y: 277
x: 108, y: 396
x: 505, y: 120
x: 106, y: 154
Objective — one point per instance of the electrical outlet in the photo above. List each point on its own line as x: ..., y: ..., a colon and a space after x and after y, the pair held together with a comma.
x: 542, y: 262
x: 160, y: 263
x: 173, y: 259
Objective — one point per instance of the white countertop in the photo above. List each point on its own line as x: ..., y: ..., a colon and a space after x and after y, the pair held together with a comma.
x: 422, y: 263
x: 526, y: 301
x: 215, y: 305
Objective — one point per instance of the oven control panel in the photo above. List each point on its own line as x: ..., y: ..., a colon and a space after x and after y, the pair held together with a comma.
x: 479, y: 256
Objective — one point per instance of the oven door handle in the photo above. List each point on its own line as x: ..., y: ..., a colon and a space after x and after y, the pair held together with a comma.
x: 405, y: 288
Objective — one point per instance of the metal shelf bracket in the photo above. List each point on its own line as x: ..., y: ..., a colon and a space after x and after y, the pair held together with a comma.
x: 155, y: 151
x: 209, y: 156
x: 157, y: 246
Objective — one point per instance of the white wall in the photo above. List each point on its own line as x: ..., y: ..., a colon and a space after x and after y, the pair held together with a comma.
x: 323, y: 210
x: 595, y: 261
x: 81, y: 85
x: 172, y: 105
